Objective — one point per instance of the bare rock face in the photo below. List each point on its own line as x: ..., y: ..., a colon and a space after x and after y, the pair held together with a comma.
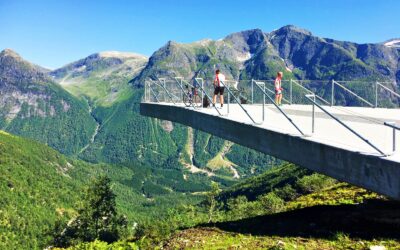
x: 23, y: 88
x: 33, y: 105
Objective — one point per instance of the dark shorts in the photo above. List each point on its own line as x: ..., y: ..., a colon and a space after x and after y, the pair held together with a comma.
x: 219, y: 90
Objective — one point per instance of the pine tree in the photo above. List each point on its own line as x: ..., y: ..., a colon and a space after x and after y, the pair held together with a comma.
x: 211, y: 200
x: 97, y: 217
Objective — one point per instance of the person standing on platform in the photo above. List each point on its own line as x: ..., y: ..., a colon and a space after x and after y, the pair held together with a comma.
x: 219, y: 87
x: 278, y: 88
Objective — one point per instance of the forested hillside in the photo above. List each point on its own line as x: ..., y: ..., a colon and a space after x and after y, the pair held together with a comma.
x: 34, y: 106
x: 83, y: 120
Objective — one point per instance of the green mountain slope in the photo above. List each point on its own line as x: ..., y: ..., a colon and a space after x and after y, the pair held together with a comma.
x: 102, y: 78
x: 39, y: 186
x: 319, y: 213
x: 36, y: 187
x: 32, y: 105
x: 123, y: 136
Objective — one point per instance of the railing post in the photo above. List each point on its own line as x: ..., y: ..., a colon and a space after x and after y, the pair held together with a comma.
x: 229, y: 99
x: 163, y: 84
x: 252, y: 91
x: 393, y: 126
x: 148, y: 91
x: 202, y: 93
x: 291, y: 91
x: 333, y: 92
x: 180, y: 83
x: 263, y: 106
x: 313, y: 116
x: 394, y: 140
x: 376, y: 94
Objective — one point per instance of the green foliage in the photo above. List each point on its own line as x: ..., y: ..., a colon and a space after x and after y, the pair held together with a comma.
x: 249, y: 161
x: 314, y: 182
x: 240, y: 207
x: 272, y: 203
x: 274, y: 178
x: 36, y: 187
x: 97, y: 217
x: 65, y: 129
x: 101, y: 245
x: 211, y: 201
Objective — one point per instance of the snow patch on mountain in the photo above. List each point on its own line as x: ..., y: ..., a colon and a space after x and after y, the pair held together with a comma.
x: 393, y: 43
x: 119, y: 54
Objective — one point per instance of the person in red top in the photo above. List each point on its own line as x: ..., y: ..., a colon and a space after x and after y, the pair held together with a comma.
x: 219, y: 87
x: 278, y: 88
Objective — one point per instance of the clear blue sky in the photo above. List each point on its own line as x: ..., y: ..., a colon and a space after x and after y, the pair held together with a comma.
x: 55, y: 32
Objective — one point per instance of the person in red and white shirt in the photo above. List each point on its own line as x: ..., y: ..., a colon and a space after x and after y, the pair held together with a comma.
x: 278, y: 88
x: 219, y: 87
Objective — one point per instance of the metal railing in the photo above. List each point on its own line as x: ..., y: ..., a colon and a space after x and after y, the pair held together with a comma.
x: 394, y: 127
x: 259, y: 92
x: 341, y: 123
x: 377, y: 85
x: 348, y: 91
x: 273, y: 102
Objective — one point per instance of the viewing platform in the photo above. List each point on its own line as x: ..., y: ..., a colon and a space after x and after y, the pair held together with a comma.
x: 352, y: 144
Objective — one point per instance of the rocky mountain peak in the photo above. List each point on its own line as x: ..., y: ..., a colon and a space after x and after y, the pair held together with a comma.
x: 292, y: 29
x: 13, y: 67
x: 9, y: 53
x: 247, y: 41
x: 120, y: 55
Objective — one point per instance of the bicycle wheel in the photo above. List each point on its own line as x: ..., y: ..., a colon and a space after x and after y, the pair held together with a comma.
x: 186, y: 100
x: 197, y: 101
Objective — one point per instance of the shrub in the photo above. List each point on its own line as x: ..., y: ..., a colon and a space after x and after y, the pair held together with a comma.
x: 272, y: 203
x: 314, y: 182
x: 97, y: 217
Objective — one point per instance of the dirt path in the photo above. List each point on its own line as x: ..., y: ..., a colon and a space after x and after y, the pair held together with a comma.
x: 191, y: 167
x: 227, y: 146
x: 96, y: 131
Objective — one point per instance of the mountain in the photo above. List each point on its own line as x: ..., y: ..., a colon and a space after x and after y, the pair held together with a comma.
x: 101, y: 77
x: 37, y: 185
x: 34, y: 106
x: 40, y: 186
x: 254, y: 54
x: 123, y: 136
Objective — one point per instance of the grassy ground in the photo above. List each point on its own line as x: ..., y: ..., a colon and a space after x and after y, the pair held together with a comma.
x: 214, y: 238
x: 339, y: 217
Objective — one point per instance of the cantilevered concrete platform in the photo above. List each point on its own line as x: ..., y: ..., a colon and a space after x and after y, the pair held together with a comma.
x: 331, y: 150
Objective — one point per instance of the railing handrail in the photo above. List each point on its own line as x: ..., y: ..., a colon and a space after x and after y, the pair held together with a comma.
x: 311, y: 92
x: 344, y: 125
x: 169, y: 93
x: 351, y: 92
x: 238, y: 102
x: 151, y: 90
x: 283, y: 112
x: 391, y: 124
x: 386, y: 88
x: 165, y: 89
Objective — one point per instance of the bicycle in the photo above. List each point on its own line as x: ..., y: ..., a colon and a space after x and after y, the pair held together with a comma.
x: 192, y: 98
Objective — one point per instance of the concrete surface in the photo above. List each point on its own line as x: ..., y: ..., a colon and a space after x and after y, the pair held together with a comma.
x: 332, y: 150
